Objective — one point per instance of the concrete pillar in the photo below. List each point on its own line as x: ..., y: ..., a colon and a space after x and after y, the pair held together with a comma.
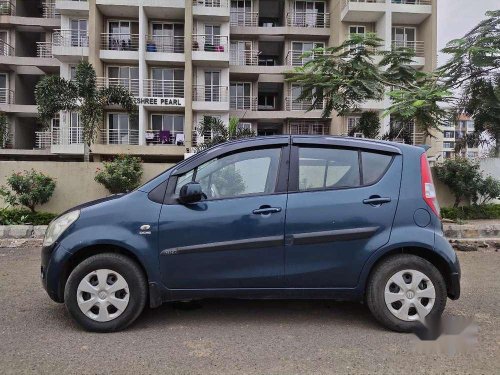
x: 95, y: 28
x: 143, y: 73
x: 188, y: 75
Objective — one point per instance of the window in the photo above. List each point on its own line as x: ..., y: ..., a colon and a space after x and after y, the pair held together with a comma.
x: 167, y: 37
x: 240, y: 94
x: 79, y: 36
x: 72, y: 72
x: 244, y: 173
x: 167, y: 83
x: 374, y: 166
x: 300, y: 48
x: 126, y: 76
x: 122, y: 129
x: 326, y: 168
x: 352, y: 123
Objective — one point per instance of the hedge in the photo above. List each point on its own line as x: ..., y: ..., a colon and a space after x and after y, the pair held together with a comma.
x: 20, y: 216
x: 474, y: 212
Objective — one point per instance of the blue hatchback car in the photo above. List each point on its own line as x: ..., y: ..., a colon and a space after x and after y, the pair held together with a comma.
x: 263, y: 218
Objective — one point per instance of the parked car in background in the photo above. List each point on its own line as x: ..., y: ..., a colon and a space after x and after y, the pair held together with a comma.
x: 273, y: 217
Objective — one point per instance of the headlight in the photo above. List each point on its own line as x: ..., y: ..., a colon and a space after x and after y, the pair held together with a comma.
x: 58, y: 226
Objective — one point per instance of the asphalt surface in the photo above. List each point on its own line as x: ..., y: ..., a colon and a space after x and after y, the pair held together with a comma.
x: 227, y: 336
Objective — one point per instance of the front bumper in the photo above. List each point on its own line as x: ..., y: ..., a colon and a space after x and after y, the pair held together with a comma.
x: 51, y: 271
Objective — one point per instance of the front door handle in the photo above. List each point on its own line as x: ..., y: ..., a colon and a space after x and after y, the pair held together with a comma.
x: 376, y: 200
x: 266, y: 210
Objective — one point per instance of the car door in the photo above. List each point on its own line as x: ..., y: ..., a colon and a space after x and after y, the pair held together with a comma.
x: 235, y: 237
x: 340, y: 209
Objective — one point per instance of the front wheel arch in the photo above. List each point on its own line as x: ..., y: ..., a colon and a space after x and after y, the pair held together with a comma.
x: 88, y: 251
x: 431, y: 256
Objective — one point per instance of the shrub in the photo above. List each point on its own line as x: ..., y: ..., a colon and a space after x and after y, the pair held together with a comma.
x: 18, y: 217
x: 29, y: 189
x: 475, y: 212
x: 121, y: 175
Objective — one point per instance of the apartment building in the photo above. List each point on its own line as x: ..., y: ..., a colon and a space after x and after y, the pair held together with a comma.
x: 26, y: 28
x: 455, y: 132
x: 184, y: 60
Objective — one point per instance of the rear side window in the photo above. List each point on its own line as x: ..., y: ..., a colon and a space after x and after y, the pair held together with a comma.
x: 374, y: 166
x: 328, y: 168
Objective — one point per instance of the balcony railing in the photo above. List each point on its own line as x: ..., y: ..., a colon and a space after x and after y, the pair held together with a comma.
x: 242, y: 18
x: 120, y: 42
x: 243, y: 103
x: 131, y: 85
x: 43, y: 139
x: 61, y: 136
x: 210, y: 43
x: 7, y: 8
x: 297, y: 58
x: 164, y: 137
x: 120, y: 137
x: 346, y: 2
x: 6, y: 96
x: 165, y: 43
x: 413, y: 2
x: 163, y: 88
x: 70, y: 38
x: 416, y: 46
x: 244, y: 58
x: 6, y: 49
x: 308, y: 128
x: 211, y: 3
x: 44, y: 49
x: 308, y: 19
x: 292, y: 104
x: 210, y: 93
x: 49, y: 9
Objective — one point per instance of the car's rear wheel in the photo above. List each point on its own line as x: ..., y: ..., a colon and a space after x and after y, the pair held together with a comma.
x: 404, y: 291
x: 106, y: 292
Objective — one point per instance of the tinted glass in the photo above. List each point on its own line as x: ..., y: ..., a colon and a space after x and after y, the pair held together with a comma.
x: 248, y: 172
x: 327, y: 168
x: 374, y: 166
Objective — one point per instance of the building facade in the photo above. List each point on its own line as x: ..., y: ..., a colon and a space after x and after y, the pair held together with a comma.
x: 454, y: 133
x: 184, y: 60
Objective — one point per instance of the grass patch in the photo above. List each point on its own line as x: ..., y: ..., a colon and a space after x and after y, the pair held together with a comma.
x: 19, y: 217
x: 474, y: 212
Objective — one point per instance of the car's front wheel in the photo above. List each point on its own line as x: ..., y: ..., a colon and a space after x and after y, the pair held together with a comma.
x: 106, y: 292
x: 404, y: 291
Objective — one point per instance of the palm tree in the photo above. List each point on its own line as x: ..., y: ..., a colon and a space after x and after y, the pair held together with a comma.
x: 55, y: 94
x: 214, y: 132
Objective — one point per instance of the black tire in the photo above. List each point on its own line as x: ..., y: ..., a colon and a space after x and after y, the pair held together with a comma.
x: 132, y: 274
x: 381, y: 275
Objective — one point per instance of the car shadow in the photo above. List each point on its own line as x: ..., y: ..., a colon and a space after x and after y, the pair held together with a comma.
x: 279, y: 312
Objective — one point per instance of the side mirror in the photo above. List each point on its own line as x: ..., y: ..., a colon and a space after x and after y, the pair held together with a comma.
x: 190, y: 193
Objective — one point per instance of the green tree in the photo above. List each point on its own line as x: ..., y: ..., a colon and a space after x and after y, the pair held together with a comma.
x: 369, y: 125
x: 462, y: 176
x: 474, y: 71
x: 346, y: 76
x: 28, y: 189
x: 121, y: 175
x: 4, y: 130
x: 214, y: 132
x: 55, y: 94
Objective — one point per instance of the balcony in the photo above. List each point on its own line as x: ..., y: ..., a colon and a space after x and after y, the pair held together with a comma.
x: 244, y: 19
x: 164, y: 137
x: 292, y: 104
x: 6, y: 49
x: 70, y: 45
x: 119, y: 137
x: 44, y: 50
x: 308, y: 20
x: 7, y: 8
x: 6, y: 96
x: 417, y: 47
x: 410, y: 12
x: 244, y: 58
x: 211, y: 49
x: 210, y: 98
x: 49, y: 9
x: 362, y: 10
x: 161, y: 48
x: 72, y: 7
x: 64, y: 140
x: 297, y: 58
x: 119, y: 47
x: 163, y: 93
x: 211, y: 9
x: 243, y: 103
x: 132, y: 85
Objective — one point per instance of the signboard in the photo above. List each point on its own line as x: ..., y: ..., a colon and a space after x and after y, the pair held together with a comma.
x: 162, y: 102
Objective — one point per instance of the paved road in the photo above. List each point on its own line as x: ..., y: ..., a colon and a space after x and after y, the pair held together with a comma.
x: 251, y: 337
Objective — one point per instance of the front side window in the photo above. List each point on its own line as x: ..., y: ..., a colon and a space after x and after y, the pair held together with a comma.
x: 328, y: 168
x: 244, y: 173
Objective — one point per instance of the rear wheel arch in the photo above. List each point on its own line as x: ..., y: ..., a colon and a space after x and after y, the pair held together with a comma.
x: 88, y: 251
x: 431, y: 256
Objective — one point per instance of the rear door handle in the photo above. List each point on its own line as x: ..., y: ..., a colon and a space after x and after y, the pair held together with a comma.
x: 376, y: 201
x: 266, y: 210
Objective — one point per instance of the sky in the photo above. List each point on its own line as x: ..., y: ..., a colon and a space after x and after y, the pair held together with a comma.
x: 457, y: 17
